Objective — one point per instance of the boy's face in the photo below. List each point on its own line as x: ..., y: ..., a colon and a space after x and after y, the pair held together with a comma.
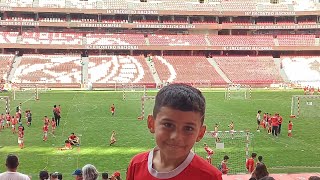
x: 176, y: 131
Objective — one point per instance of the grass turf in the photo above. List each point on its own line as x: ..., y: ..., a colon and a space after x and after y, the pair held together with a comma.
x: 88, y: 114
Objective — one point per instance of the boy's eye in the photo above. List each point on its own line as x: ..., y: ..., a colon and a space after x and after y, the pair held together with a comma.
x: 188, y: 128
x: 168, y: 125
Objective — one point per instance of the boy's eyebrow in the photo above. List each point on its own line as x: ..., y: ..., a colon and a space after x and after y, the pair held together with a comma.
x: 170, y: 120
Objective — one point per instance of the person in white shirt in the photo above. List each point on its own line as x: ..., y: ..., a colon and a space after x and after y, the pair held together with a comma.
x: 12, y: 164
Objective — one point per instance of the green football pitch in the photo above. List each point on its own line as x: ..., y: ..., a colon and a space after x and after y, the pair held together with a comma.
x: 88, y: 115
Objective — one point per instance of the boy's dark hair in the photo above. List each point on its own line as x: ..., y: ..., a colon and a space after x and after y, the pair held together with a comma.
x: 267, y: 178
x: 225, y: 157
x: 254, y: 155
x: 12, y: 161
x: 66, y: 141
x: 43, y: 175
x: 105, y: 175
x: 314, y: 178
x: 260, y: 158
x: 259, y: 111
x: 180, y: 97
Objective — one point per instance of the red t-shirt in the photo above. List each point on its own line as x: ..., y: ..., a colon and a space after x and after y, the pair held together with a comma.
x: 45, y: 128
x: 208, y: 150
x: 224, y: 168
x: 280, y: 119
x: 8, y: 117
x: 20, y: 134
x: 274, y: 121
x: 112, y: 108
x: 14, y: 121
x: 290, y: 126
x: 53, y: 124
x: 72, y: 137
x: 193, y: 168
x: 17, y: 115
x: 250, y: 165
x: 46, y: 120
x: 68, y: 145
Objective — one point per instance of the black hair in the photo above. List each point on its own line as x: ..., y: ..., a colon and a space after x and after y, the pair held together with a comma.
x: 180, y: 97
x: 66, y: 141
x: 259, y: 111
x: 261, y: 171
x: 260, y: 158
x: 225, y: 157
x: 267, y: 178
x: 12, y: 161
x: 254, y: 155
x: 43, y: 175
x: 105, y: 175
x: 314, y: 178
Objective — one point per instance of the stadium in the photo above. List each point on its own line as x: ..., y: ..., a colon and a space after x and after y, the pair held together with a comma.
x: 92, y: 55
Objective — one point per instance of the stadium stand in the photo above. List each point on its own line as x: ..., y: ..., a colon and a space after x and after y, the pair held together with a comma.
x: 192, y: 69
x: 5, y: 65
x: 241, y: 40
x: 296, y: 40
x: 19, y: 3
x: 115, y: 39
x: 304, y: 69
x: 48, y: 69
x: 51, y: 38
x: 119, y: 69
x: 181, y: 40
x: 8, y: 37
x: 249, y: 70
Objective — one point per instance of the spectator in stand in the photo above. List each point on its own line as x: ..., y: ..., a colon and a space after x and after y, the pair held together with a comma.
x: 260, y: 172
x: 43, y: 175
x: 89, y: 172
x: 12, y: 163
x: 105, y: 176
x: 78, y: 174
x: 250, y: 163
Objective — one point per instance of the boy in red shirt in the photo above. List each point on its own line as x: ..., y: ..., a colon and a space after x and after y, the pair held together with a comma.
x: 177, y: 123
x: 53, y: 125
x: 45, y: 132
x: 20, y: 137
x: 14, y: 121
x: 274, y: 123
x: 279, y: 123
x: 290, y: 129
x: 224, y: 167
x: 250, y: 165
x: 46, y: 120
x: 8, y: 118
x: 209, y: 152
x: 2, y: 121
x: 112, y: 108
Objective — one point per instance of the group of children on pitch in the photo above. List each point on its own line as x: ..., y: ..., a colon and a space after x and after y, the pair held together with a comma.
x: 7, y: 121
x: 272, y: 123
x: 309, y: 90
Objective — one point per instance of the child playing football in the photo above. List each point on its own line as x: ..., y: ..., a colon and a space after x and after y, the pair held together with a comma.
x: 209, y: 151
x: 113, y: 138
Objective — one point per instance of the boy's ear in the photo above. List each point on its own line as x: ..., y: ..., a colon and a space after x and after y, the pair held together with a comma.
x: 201, y: 133
x: 151, y: 123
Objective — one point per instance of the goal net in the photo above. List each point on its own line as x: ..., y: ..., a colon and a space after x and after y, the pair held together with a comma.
x: 237, y: 91
x: 25, y: 92
x: 133, y: 92
x: 238, y: 146
x: 4, y: 104
x: 147, y: 104
x: 305, y: 105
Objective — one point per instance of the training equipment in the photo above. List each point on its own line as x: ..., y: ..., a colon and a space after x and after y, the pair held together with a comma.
x: 237, y: 91
x: 147, y: 104
x: 133, y: 92
x: 4, y: 104
x: 237, y: 145
x: 305, y: 106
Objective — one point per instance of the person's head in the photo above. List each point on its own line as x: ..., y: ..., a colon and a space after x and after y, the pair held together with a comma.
x: 43, y: 175
x: 260, y: 158
x: 314, y: 178
x: 289, y: 121
x: 72, y: 133
x: 45, y: 116
x: 105, y: 176
x: 89, y: 172
x: 67, y: 141
x: 177, y: 119
x: 52, y: 119
x: 54, y: 106
x: 116, y: 175
x: 46, y: 124
x: 226, y: 158
x: 205, y: 145
x: 54, y: 176
x: 12, y: 162
x: 259, y: 111
x: 254, y: 155
x: 77, y: 173
x: 261, y: 171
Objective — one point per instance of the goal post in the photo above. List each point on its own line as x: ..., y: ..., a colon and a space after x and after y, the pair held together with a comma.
x: 147, y: 104
x: 237, y: 145
x: 237, y: 91
x: 25, y: 93
x: 5, y: 103
x: 305, y: 105
x: 133, y: 91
